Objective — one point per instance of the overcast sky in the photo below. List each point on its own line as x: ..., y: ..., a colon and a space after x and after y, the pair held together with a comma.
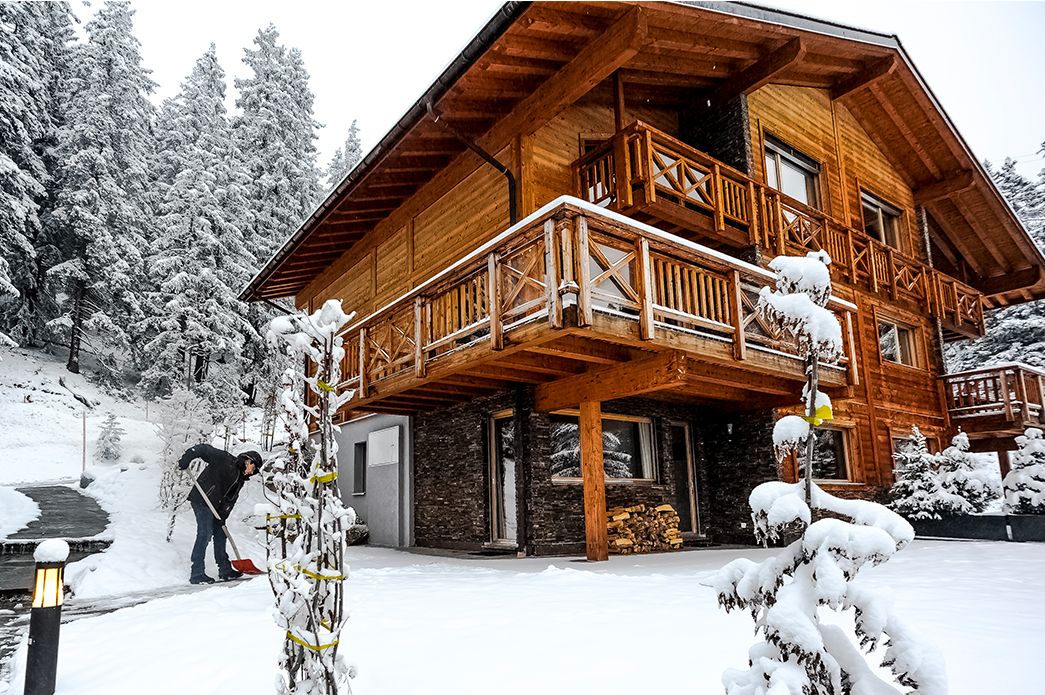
x: 370, y: 60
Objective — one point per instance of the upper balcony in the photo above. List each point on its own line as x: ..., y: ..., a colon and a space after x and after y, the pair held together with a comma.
x: 585, y: 304
x: 679, y: 188
x: 996, y: 404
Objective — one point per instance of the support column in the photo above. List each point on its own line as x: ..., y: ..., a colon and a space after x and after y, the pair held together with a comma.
x: 1003, y: 463
x: 594, y: 484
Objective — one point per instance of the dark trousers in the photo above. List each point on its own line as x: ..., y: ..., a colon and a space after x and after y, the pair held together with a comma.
x: 208, y: 527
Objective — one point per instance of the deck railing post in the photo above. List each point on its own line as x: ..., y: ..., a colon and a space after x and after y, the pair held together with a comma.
x: 781, y: 240
x: 622, y: 172
x: 891, y: 261
x: 1003, y: 382
x: 649, y: 184
x: 493, y: 300
x: 853, y: 369
x: 752, y: 215
x: 1041, y: 399
x: 1021, y: 391
x: 551, y: 276
x: 583, y: 266
x: 737, y: 311
x: 364, y: 382
x: 720, y: 200
x: 419, y: 340
x: 645, y: 290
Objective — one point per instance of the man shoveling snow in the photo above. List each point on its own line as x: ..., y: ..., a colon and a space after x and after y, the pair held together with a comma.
x: 221, y: 482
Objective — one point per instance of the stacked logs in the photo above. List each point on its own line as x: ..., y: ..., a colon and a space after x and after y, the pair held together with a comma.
x: 642, y: 529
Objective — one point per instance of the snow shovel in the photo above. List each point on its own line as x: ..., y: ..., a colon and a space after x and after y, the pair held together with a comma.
x: 239, y: 564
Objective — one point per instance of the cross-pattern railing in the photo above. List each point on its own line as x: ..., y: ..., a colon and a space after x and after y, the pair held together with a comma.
x: 657, y: 167
x: 1013, y: 392
x: 571, y: 256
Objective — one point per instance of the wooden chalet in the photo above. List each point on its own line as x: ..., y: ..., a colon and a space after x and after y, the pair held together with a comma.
x: 555, y: 254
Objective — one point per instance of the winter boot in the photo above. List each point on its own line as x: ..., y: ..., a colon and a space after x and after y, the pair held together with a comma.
x: 230, y: 575
x: 201, y: 579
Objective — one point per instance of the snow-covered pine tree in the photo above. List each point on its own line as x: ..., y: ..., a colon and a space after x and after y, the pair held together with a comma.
x: 306, y: 544
x: 34, y: 45
x: 101, y: 214
x: 1015, y: 333
x: 961, y: 476
x: 800, y: 655
x: 195, y: 326
x: 108, y: 447
x: 566, y: 452
x: 1025, y: 483
x: 275, y: 135
x: 918, y: 491
x: 345, y: 158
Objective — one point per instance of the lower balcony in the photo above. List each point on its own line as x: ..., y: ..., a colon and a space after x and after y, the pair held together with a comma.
x: 584, y: 304
x: 995, y: 405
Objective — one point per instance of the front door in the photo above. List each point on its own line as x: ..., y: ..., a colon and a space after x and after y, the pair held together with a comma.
x: 504, y: 511
x: 685, y: 483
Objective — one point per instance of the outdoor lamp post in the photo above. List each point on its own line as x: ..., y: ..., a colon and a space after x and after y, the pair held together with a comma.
x: 41, y: 663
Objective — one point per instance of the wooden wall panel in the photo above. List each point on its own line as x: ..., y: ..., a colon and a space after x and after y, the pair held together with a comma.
x: 392, y: 269
x: 354, y: 288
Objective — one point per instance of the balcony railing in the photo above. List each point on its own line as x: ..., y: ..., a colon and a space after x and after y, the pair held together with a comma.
x: 994, y: 398
x: 657, y: 167
x: 571, y: 265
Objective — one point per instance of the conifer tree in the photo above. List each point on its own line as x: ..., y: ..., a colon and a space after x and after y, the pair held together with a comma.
x: 195, y: 326
x: 918, y: 491
x: 566, y: 452
x: 34, y: 46
x: 1025, y: 483
x: 345, y: 158
x: 102, y: 217
x: 109, y: 447
x: 962, y: 477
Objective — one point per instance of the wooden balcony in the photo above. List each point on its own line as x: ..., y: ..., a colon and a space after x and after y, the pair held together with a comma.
x: 995, y: 404
x: 575, y: 298
x: 674, y: 186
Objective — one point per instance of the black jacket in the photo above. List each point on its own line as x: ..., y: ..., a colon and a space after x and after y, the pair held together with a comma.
x: 221, y: 480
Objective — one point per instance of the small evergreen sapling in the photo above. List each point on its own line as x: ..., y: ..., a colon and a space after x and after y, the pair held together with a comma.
x: 1025, y: 483
x: 918, y: 491
x: 109, y: 447
x: 962, y: 477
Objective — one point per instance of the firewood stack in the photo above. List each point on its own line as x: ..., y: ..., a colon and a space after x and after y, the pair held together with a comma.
x: 642, y: 529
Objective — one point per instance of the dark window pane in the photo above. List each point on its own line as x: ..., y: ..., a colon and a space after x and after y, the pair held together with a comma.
x: 359, y: 468
x: 623, y: 444
x: 887, y: 342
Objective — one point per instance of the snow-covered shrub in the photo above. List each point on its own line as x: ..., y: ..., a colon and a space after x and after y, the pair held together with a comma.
x: 917, y: 491
x: 108, y: 447
x: 961, y: 476
x: 800, y: 655
x: 183, y: 422
x: 306, y: 533
x: 1025, y: 483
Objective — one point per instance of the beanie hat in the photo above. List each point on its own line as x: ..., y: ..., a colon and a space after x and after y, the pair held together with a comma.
x: 254, y: 457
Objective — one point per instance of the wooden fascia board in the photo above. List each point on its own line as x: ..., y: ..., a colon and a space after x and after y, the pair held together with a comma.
x: 1011, y: 281
x: 955, y: 183
x: 663, y: 371
x: 761, y: 72
x: 871, y: 72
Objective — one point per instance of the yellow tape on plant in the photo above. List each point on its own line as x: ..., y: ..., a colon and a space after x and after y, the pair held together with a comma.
x: 325, y: 478
x: 823, y: 413
x: 324, y: 386
x: 314, y: 647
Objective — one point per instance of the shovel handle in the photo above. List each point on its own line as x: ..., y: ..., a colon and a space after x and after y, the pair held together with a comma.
x: 214, y: 511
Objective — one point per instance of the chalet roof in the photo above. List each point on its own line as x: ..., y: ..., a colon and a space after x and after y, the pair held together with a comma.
x: 509, y: 79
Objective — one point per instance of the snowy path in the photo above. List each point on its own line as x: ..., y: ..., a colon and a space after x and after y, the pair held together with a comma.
x: 426, y: 625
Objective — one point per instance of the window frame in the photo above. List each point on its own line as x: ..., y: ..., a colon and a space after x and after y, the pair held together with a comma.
x: 886, y: 210
x: 810, y: 166
x: 917, y: 361
x: 651, y: 467
x: 846, y: 455
x: 359, y: 465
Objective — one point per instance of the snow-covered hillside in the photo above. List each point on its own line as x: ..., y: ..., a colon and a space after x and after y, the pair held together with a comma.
x: 41, y: 441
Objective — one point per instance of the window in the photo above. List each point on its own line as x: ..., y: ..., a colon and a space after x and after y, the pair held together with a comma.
x: 896, y: 343
x: 792, y: 173
x: 359, y: 468
x: 881, y: 221
x: 627, y: 448
x: 829, y: 455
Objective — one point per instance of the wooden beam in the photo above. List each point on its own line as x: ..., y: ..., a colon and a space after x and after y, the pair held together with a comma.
x: 593, y: 479
x: 619, y: 113
x: 1011, y: 281
x: 900, y: 123
x: 944, y: 188
x: 870, y: 73
x: 662, y: 371
x: 594, y: 351
x: 761, y: 72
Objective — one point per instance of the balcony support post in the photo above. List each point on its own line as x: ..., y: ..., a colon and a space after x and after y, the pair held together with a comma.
x: 739, y: 341
x: 583, y: 265
x: 853, y: 369
x: 1021, y: 393
x: 622, y: 172
x: 493, y: 300
x: 551, y: 275
x: 364, y: 382
x: 1003, y: 386
x: 593, y: 480
x: 645, y: 288
x: 419, y: 338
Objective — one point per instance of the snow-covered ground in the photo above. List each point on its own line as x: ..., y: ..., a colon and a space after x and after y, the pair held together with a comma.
x: 427, y: 625
x: 16, y: 511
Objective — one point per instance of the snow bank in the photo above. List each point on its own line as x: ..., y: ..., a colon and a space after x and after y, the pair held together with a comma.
x: 16, y: 511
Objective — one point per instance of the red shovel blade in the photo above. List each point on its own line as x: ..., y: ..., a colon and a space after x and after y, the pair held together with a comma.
x: 246, y: 567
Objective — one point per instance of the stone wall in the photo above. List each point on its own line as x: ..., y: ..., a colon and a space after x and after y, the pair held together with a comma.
x: 721, y: 130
